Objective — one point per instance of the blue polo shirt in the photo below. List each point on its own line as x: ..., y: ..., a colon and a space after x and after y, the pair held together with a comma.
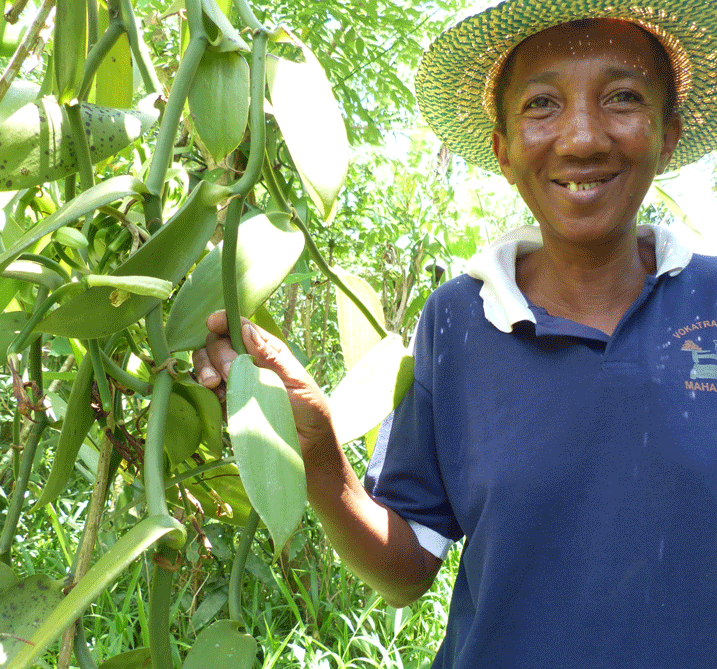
x: 580, y: 467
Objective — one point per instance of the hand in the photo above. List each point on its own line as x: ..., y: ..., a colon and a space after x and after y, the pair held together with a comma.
x: 308, y: 403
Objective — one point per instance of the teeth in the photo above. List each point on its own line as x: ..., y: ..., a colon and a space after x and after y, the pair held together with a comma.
x: 574, y: 187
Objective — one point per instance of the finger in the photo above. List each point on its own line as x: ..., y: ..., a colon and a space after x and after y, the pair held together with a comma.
x: 217, y: 323
x: 206, y: 374
x: 270, y: 352
x: 220, y: 353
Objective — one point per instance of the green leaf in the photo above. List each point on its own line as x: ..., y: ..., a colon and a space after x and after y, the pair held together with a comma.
x: 219, y: 101
x: 267, y: 249
x: 139, y: 658
x: 98, y: 196
x: 107, y: 569
x: 377, y: 384
x: 17, y: 96
x: 24, y: 607
x: 356, y: 334
x: 114, y: 79
x: 79, y: 417
x: 27, y: 270
x: 7, y: 577
x: 266, y: 447
x: 308, y: 115
x: 167, y: 255
x: 207, y: 405
x: 183, y: 430
x: 222, y: 496
x: 222, y: 644
x: 36, y: 144
x: 69, y: 47
x: 11, y: 322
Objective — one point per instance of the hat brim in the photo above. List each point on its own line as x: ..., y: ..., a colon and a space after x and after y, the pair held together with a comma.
x: 455, y: 80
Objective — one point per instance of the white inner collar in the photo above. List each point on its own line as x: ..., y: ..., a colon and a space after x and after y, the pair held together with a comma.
x: 503, y: 302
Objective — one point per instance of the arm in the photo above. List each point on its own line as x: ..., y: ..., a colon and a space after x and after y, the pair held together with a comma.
x: 375, y: 542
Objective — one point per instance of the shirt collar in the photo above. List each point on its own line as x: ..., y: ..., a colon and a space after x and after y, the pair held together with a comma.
x: 503, y: 302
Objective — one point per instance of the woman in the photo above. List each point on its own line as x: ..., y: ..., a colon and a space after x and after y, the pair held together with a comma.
x: 561, y: 418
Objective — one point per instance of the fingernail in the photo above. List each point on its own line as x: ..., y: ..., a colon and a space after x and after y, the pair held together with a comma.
x: 207, y: 376
x: 254, y: 334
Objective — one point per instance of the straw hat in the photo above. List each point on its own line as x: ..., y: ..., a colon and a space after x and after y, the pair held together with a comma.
x: 456, y: 80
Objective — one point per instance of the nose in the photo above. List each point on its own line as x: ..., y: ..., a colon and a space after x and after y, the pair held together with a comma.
x: 581, y: 131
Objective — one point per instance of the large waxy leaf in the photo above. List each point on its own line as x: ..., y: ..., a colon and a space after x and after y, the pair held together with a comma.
x: 98, y: 196
x: 219, y: 101
x: 168, y: 255
x: 356, y: 334
x: 17, y: 96
x: 208, y: 408
x: 183, y: 430
x: 24, y: 606
x: 79, y: 417
x: 36, y: 142
x: 139, y: 658
x: 266, y: 447
x: 70, y: 47
x: 107, y: 569
x: 222, y: 644
x: 7, y: 577
x: 27, y: 270
x: 308, y: 115
x: 114, y: 79
x: 376, y: 384
x: 267, y: 249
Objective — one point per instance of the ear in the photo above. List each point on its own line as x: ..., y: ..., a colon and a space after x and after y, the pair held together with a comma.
x: 670, y: 137
x: 500, y: 149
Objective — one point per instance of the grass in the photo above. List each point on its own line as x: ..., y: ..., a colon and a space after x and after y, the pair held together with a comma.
x: 306, y: 610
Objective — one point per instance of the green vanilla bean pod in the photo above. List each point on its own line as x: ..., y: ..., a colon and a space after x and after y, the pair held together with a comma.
x: 242, y: 187
x: 70, y: 47
x: 103, y: 385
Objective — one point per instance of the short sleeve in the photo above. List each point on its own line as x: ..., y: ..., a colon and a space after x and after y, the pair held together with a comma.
x: 404, y: 472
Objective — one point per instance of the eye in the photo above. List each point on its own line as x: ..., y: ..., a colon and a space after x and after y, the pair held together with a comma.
x: 625, y: 97
x: 539, y: 102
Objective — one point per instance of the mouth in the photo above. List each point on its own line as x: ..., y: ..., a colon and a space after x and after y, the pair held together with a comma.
x: 575, y: 186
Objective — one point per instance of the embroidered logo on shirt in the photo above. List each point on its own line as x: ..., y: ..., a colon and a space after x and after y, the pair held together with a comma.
x: 704, y: 366
x: 703, y: 348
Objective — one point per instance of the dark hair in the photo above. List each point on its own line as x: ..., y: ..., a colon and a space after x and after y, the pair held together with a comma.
x: 662, y: 64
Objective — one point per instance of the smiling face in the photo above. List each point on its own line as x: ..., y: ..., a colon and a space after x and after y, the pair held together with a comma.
x: 585, y: 132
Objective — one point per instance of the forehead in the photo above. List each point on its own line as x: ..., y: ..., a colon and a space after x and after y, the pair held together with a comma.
x: 612, y: 42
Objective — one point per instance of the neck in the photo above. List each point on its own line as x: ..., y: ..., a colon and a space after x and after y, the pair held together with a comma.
x: 590, y: 284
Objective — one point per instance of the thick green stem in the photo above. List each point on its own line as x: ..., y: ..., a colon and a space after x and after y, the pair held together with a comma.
x: 21, y: 340
x: 139, y: 49
x: 229, y: 278
x: 124, y: 378
x: 237, y: 575
x: 248, y: 17
x: 82, y: 148
x: 173, y: 113
x: 257, y: 126
x: 46, y: 262
x: 160, y: 604
x: 242, y: 187
x: 103, y: 385
x: 98, y: 53
x: 158, y: 408
x: 93, y: 23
